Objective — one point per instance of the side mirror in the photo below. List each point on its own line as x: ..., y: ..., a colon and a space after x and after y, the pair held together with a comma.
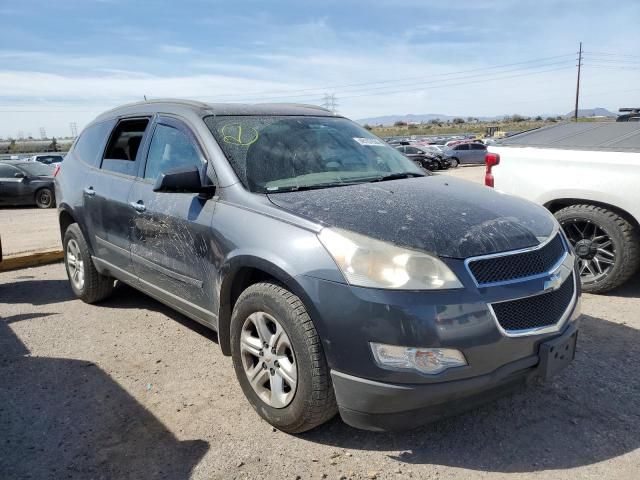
x: 182, y: 180
x: 19, y: 175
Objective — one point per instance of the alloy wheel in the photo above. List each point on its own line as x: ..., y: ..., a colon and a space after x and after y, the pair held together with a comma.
x: 75, y: 264
x: 594, y: 248
x: 268, y: 359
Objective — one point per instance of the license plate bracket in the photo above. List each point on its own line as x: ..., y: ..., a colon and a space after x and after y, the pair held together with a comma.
x: 556, y: 354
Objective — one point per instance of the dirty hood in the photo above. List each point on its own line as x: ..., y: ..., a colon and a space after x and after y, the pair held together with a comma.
x: 438, y: 214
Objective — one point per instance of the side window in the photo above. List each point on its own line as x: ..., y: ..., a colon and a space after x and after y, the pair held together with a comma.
x: 90, y: 145
x: 477, y: 146
x: 412, y: 150
x: 7, y: 171
x: 122, y: 150
x: 464, y: 146
x: 170, y: 148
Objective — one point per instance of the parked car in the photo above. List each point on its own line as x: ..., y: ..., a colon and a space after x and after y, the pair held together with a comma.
x: 338, y: 276
x: 587, y: 174
x: 422, y: 157
x: 628, y: 115
x: 26, y: 183
x: 48, y: 159
x: 441, y: 152
x: 468, y: 153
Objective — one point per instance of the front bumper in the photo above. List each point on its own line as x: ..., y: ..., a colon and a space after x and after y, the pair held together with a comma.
x: 378, y: 406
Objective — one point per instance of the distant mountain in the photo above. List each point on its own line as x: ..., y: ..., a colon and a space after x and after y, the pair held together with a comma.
x: 418, y: 118
x: 427, y: 117
x: 391, y: 119
x: 593, y: 112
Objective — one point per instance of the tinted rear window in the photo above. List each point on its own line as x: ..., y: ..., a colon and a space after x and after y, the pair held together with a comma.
x: 37, y: 169
x: 91, y: 143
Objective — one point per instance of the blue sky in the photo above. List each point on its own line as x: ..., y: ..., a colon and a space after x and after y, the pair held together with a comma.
x: 66, y: 61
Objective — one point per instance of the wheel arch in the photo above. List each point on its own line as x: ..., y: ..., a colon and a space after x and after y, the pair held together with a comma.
x: 241, y: 273
x: 558, y: 204
x: 65, y: 218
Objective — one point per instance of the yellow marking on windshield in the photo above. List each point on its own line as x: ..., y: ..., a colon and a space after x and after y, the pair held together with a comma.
x: 237, y: 134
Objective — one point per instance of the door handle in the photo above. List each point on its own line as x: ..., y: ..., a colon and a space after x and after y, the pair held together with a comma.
x: 89, y: 192
x: 138, y: 206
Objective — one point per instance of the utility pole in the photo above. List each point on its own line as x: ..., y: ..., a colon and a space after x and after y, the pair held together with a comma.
x: 74, y: 129
x: 575, y: 113
x: 43, y: 133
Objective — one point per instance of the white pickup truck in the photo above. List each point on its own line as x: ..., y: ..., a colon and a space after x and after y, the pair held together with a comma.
x: 588, y: 175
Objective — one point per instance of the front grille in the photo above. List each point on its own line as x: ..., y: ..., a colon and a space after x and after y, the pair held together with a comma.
x: 518, y: 265
x: 533, y: 312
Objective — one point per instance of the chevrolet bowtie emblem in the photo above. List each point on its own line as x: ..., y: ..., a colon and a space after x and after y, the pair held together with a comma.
x: 553, y: 282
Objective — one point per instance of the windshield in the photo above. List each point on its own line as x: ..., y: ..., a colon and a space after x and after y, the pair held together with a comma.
x: 37, y: 169
x: 280, y: 153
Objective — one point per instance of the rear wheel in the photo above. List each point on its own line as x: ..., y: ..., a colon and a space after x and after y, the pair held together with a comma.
x: 45, y: 198
x: 278, y: 359
x: 607, y: 246
x: 86, y: 282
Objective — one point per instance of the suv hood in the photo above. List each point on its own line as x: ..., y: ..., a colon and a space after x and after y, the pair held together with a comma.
x: 438, y: 214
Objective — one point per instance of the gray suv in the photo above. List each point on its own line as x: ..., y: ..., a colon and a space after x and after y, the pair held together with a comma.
x: 338, y: 275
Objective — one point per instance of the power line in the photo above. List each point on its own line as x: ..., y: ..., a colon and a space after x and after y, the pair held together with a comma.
x: 607, y: 54
x: 417, y: 84
x: 486, y: 79
x: 335, y: 87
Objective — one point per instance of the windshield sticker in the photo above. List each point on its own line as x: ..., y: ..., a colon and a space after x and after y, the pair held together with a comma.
x: 369, y: 142
x: 237, y: 134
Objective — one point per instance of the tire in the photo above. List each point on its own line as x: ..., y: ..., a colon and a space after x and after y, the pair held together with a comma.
x: 607, y: 246
x: 312, y: 400
x: 454, y: 162
x: 45, y: 198
x: 94, y: 287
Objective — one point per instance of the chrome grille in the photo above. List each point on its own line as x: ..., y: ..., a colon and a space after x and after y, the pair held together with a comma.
x: 510, y: 267
x: 539, y: 311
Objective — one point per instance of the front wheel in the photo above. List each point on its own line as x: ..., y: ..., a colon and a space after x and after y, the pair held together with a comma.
x: 45, y: 198
x: 454, y: 162
x: 86, y: 282
x: 278, y: 359
x: 606, y: 244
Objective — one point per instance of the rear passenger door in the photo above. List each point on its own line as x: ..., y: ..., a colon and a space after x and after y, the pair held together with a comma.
x: 170, y: 246
x: 12, y: 189
x: 461, y: 152
x: 477, y: 153
x: 106, y: 195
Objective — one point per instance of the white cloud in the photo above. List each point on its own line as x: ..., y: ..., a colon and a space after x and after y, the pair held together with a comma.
x: 174, y: 49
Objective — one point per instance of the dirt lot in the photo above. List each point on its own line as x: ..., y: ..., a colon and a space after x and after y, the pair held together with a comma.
x: 131, y: 389
x: 29, y: 230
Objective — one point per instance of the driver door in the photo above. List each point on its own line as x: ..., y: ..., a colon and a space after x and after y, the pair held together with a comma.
x: 14, y: 190
x: 170, y: 250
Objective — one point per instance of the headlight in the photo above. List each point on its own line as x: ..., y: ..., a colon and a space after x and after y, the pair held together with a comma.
x: 424, y: 360
x: 366, y: 262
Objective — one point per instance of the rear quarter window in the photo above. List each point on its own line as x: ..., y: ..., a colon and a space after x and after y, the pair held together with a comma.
x: 90, y: 145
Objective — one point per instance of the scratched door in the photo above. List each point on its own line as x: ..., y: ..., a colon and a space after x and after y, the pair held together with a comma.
x: 170, y: 248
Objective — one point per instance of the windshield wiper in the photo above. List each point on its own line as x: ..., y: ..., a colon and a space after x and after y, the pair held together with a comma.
x: 300, y: 188
x: 397, y: 176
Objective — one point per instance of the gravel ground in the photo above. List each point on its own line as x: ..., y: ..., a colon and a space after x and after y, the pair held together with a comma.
x: 29, y: 229
x: 475, y: 173
x: 131, y: 389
